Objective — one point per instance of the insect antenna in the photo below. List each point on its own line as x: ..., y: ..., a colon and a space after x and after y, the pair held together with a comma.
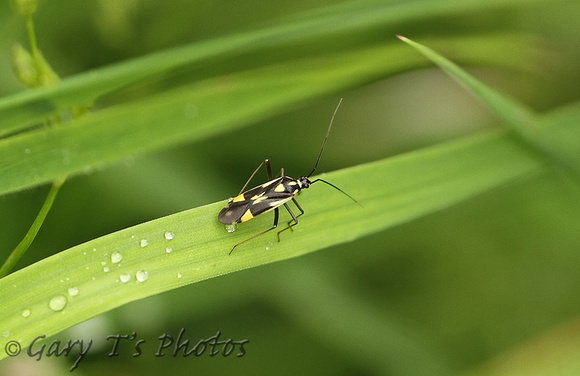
x: 325, y: 138
x: 338, y: 189
x: 320, y: 155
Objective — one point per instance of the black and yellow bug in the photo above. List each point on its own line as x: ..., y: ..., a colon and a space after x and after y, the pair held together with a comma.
x: 271, y: 195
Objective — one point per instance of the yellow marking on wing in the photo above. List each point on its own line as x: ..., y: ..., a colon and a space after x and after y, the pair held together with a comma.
x: 258, y: 199
x: 239, y: 198
x: 247, y: 216
x: 292, y: 182
x: 280, y: 188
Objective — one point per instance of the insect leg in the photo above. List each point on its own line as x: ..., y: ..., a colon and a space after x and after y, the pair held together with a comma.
x: 294, y: 217
x: 298, y: 206
x: 276, y: 215
x: 268, y: 168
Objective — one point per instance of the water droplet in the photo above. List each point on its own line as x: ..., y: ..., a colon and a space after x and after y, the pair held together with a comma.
x: 125, y: 278
x: 87, y: 268
x: 26, y: 313
x: 168, y: 249
x: 94, y: 250
x: 73, y: 291
x: 141, y: 275
x: 168, y: 235
x: 132, y: 236
x: 6, y: 333
x: 231, y: 228
x: 84, y: 253
x: 178, y: 275
x: 27, y: 151
x: 103, y: 263
x: 116, y: 257
x: 106, y: 269
x: 144, y: 243
x: 57, y: 303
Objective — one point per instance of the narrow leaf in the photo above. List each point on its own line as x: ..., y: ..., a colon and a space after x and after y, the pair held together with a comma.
x: 355, y: 22
x: 523, y: 121
x: 187, y: 113
x: 86, y: 280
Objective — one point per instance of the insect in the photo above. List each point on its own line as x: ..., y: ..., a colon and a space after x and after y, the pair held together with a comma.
x: 271, y: 195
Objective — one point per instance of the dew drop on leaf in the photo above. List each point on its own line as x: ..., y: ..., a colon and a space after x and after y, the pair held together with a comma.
x: 141, y: 275
x: 57, y: 303
x: 116, y: 257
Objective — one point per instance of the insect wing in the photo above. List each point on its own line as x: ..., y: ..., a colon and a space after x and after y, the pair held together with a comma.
x: 256, y: 201
x: 233, y: 212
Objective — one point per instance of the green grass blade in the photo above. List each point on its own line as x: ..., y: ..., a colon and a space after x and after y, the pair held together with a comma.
x: 559, y: 127
x: 183, y: 114
x: 23, y: 246
x: 511, y: 111
x: 354, y: 23
x: 523, y: 121
x: 192, y: 246
x: 196, y: 110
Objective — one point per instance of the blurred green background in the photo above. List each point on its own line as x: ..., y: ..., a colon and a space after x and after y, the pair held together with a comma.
x: 489, y: 286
